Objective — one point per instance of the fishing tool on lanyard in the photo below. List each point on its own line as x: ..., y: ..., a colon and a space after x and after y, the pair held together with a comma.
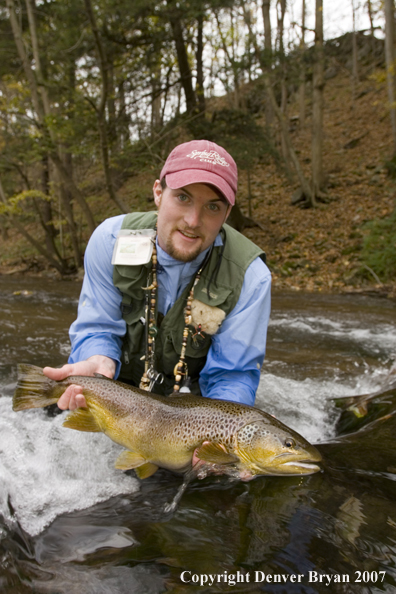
x: 150, y: 375
x: 180, y: 371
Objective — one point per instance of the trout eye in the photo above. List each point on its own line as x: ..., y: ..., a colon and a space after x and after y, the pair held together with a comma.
x: 289, y: 442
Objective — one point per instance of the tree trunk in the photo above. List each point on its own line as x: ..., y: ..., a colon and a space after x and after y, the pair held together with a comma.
x: 111, y: 107
x: 44, y: 209
x: 248, y: 46
x: 67, y: 205
x: 41, y: 103
x: 29, y: 73
x: 266, y: 6
x: 302, y: 68
x: 370, y: 15
x: 390, y: 64
x: 284, y: 125
x: 199, y: 88
x: 266, y: 62
x: 231, y: 58
x: 281, y: 51
x: 123, y: 117
x: 101, y: 109
x: 317, y: 104
x: 355, y: 69
x: 285, y: 129
x: 73, y: 189
x: 182, y: 57
x: 156, y: 113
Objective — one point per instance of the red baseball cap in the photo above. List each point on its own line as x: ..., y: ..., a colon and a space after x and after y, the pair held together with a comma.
x: 204, y: 162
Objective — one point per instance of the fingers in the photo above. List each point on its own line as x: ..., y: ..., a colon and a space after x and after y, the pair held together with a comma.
x: 72, y: 398
x: 95, y: 364
x: 58, y: 374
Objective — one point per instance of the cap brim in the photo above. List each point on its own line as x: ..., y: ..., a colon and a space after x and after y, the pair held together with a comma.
x: 183, y: 178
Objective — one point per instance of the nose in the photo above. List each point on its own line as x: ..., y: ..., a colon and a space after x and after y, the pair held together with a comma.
x: 192, y: 217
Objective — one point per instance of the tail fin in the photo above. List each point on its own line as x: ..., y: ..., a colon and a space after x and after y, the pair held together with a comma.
x: 34, y: 389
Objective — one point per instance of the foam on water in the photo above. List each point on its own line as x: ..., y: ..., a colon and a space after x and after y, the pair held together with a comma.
x: 380, y: 335
x: 46, y: 469
x: 307, y: 406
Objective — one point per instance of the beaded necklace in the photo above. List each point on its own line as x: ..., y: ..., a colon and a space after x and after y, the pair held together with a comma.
x: 150, y: 375
x: 180, y: 369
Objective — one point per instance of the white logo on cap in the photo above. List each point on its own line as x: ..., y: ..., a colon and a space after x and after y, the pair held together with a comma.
x: 210, y: 157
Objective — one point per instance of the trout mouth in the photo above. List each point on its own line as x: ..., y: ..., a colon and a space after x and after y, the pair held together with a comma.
x: 301, y: 467
x: 293, y: 465
x: 289, y: 464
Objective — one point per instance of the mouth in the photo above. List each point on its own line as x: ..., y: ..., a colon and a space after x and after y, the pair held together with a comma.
x: 289, y: 466
x: 302, y: 467
x: 188, y: 235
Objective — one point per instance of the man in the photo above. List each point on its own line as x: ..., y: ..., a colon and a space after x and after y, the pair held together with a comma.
x: 175, y: 301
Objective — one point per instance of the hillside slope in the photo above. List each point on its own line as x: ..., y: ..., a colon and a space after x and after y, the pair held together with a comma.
x: 319, y: 249
x: 307, y: 249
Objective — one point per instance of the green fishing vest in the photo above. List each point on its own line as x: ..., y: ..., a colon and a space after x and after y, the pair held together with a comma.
x: 239, y: 252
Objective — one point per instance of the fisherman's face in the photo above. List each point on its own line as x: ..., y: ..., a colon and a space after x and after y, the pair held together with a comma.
x: 189, y: 219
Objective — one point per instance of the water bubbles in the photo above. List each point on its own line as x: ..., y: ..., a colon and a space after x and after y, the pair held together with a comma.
x: 49, y: 469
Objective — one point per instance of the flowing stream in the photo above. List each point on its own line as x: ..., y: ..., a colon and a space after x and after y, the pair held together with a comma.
x: 70, y: 522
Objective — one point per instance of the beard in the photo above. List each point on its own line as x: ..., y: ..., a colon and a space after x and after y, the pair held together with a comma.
x: 182, y: 255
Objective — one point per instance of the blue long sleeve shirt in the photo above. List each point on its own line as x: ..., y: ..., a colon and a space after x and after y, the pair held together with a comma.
x: 232, y: 369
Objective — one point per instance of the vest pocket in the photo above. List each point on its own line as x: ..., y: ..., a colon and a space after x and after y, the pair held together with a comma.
x: 135, y: 328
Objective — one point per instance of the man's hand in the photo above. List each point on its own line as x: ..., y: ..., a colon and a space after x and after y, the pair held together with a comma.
x: 73, y: 396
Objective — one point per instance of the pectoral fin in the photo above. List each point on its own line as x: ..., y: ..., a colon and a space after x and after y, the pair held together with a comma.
x: 214, y: 453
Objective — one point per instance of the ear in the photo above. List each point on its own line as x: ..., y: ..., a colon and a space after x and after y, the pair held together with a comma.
x: 157, y: 192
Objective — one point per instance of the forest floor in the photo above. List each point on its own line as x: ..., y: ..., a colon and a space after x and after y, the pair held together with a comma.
x: 316, y: 249
x: 319, y: 249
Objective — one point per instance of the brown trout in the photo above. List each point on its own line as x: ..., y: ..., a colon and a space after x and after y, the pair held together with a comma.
x: 157, y: 431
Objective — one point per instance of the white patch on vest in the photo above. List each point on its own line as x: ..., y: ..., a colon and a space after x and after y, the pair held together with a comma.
x: 133, y: 247
x: 208, y: 317
x: 209, y: 157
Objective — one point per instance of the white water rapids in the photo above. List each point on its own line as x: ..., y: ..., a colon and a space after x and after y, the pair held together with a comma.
x: 47, y: 470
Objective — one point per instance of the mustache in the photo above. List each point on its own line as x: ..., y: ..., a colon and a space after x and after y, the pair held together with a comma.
x: 190, y: 232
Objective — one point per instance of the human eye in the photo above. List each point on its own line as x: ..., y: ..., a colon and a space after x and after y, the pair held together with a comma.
x: 183, y: 198
x: 213, y: 207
